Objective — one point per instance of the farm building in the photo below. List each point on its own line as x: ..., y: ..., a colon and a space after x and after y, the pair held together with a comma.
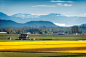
x: 24, y: 37
x: 61, y: 33
x: 54, y: 33
x: 28, y: 33
x: 3, y: 32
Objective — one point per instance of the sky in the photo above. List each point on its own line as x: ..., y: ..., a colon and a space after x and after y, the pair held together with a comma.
x: 43, y: 7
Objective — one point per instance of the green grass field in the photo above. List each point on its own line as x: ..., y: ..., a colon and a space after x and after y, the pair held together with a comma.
x: 4, y: 37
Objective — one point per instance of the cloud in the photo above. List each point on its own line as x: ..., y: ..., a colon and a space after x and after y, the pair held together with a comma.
x: 67, y: 5
x: 39, y: 6
x: 57, y: 1
x: 38, y: 14
x: 44, y: 6
x: 80, y: 15
x: 62, y: 1
x: 70, y: 1
x: 59, y: 24
x: 59, y: 4
x: 64, y: 25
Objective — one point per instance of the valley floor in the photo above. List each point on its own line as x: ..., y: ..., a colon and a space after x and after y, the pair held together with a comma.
x: 54, y: 48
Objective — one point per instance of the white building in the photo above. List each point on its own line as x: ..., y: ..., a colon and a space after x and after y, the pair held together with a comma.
x: 3, y: 32
x: 61, y: 33
x: 54, y: 33
x: 75, y: 34
x: 28, y: 33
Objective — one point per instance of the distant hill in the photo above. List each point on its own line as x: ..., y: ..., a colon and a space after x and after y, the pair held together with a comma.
x: 82, y: 25
x: 9, y: 23
x: 40, y: 23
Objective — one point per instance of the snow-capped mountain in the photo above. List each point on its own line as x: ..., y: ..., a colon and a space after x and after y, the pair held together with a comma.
x: 52, y: 17
x: 25, y: 15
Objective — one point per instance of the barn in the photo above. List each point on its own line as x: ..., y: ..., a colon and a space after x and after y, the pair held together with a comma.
x: 24, y: 37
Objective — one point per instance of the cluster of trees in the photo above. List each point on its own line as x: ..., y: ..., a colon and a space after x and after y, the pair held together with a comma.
x: 38, y: 30
x: 20, y: 30
x: 11, y: 30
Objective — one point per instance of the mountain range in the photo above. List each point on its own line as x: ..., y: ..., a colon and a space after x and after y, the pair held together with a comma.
x: 52, y: 17
x: 23, y: 16
x: 9, y: 23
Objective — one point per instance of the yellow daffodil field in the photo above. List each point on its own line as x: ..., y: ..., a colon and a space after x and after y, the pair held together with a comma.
x: 44, y: 46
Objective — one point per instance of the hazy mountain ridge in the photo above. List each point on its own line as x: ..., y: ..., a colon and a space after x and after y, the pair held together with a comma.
x: 52, y: 17
x: 9, y: 23
x: 23, y: 16
x: 83, y: 25
x: 41, y: 23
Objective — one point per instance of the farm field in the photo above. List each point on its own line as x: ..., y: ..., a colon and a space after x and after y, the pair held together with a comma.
x: 44, y: 46
x: 4, y: 37
x: 39, y: 48
x: 49, y: 48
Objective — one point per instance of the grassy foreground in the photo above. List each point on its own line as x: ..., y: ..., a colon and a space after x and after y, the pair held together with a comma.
x: 24, y: 54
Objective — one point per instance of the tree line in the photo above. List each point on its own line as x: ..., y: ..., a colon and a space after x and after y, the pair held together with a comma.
x: 38, y: 30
